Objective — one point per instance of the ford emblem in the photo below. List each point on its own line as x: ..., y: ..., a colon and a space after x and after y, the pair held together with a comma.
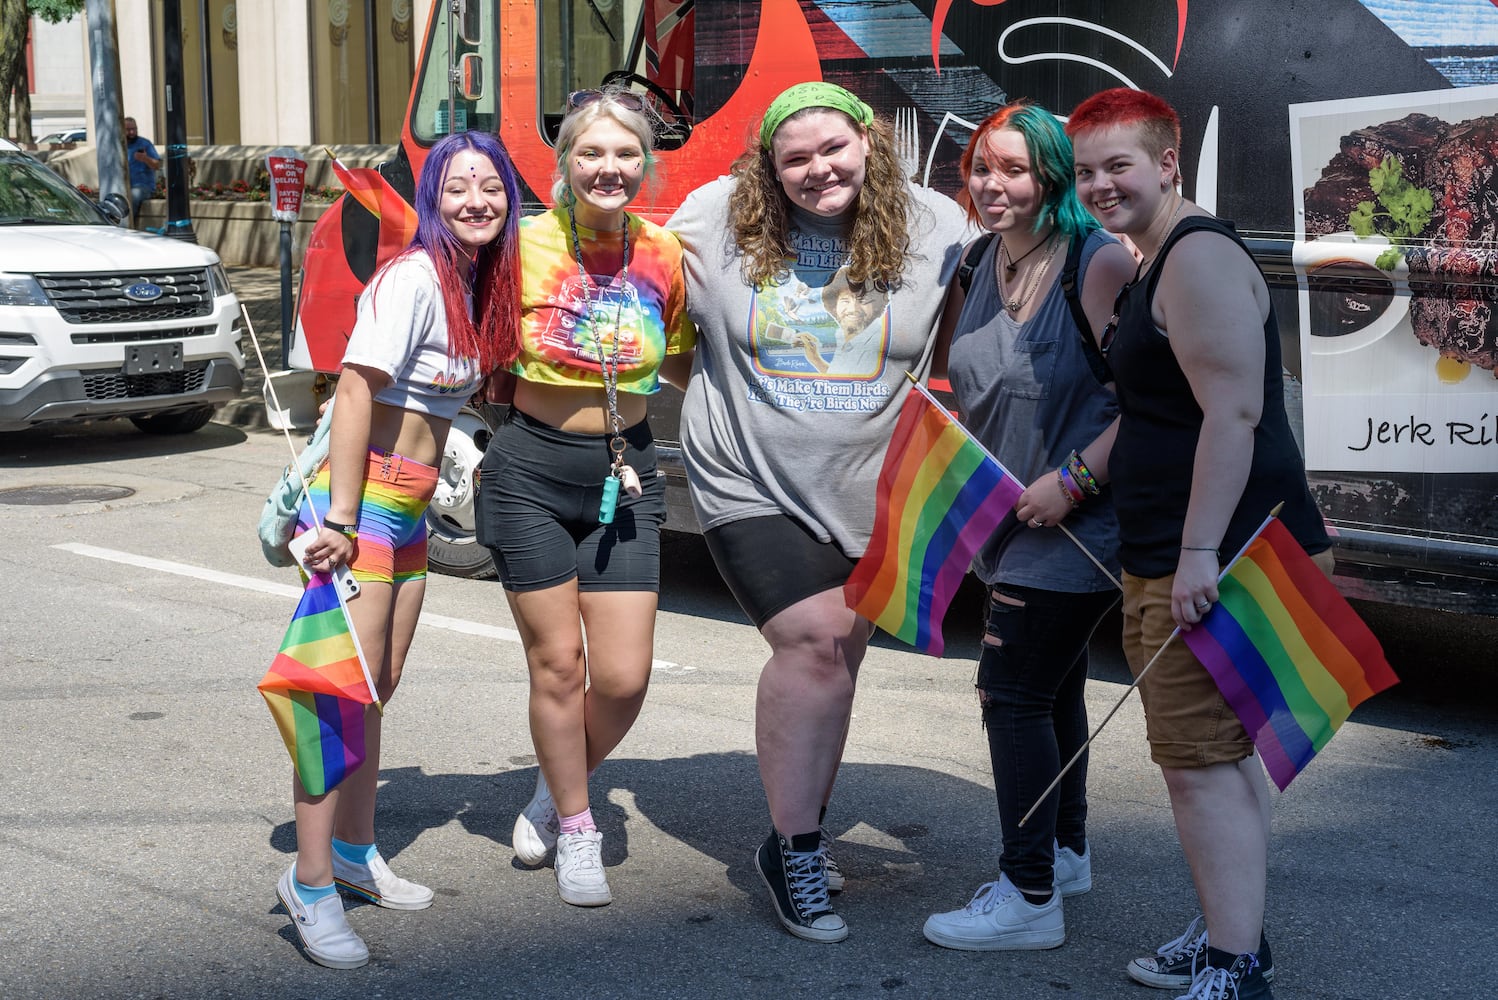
x: 143, y: 291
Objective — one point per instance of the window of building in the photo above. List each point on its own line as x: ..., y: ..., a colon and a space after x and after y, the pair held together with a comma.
x: 363, y: 56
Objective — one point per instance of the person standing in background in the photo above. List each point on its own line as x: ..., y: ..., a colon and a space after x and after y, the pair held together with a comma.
x: 144, y: 162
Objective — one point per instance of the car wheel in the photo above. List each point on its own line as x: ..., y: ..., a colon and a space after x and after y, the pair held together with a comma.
x: 451, y: 546
x: 176, y: 422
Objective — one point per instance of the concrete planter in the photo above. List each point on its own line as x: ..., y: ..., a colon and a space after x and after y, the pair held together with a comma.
x: 242, y: 233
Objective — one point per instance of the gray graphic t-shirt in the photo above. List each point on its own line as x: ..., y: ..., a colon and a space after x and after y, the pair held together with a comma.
x: 797, y: 385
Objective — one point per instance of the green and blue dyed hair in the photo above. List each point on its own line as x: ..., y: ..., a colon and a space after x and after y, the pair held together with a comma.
x: 1050, y: 161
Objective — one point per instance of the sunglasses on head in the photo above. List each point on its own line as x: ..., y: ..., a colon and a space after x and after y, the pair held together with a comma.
x: 583, y: 98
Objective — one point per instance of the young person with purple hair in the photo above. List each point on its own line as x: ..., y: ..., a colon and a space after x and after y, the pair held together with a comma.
x: 432, y: 323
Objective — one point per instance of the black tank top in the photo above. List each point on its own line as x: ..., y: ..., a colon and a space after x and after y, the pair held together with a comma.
x: 1160, y: 421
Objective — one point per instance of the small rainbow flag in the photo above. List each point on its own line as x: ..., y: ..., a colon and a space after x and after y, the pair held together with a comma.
x: 941, y: 495
x: 1289, y: 654
x: 318, y: 687
x: 396, y: 216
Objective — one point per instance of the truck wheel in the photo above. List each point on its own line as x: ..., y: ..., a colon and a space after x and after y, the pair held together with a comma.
x: 178, y: 422
x: 451, y: 548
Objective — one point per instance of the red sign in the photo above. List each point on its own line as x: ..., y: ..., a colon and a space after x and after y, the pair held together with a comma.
x: 288, y: 178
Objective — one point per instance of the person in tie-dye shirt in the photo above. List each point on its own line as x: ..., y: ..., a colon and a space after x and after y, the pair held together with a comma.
x: 569, y: 500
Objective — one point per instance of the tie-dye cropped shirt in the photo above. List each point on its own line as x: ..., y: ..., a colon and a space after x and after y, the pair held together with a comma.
x: 568, y: 320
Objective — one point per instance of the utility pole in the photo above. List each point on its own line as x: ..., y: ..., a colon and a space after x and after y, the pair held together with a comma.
x: 109, y: 137
x: 178, y: 217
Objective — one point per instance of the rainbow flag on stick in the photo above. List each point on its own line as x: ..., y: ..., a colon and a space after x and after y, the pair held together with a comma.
x: 941, y: 495
x: 395, y: 215
x: 318, y: 687
x: 1289, y: 654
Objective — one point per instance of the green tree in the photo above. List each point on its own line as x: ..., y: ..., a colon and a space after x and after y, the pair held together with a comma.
x: 15, y: 25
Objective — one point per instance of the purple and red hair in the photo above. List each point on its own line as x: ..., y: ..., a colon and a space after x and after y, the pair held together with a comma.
x: 492, y: 335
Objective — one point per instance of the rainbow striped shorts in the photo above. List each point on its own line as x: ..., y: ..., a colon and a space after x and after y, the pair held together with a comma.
x: 392, y: 542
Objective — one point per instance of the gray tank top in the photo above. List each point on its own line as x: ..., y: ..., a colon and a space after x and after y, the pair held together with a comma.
x: 1025, y: 391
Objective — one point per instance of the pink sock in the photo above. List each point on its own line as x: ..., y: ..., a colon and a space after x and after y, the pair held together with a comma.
x: 580, y: 823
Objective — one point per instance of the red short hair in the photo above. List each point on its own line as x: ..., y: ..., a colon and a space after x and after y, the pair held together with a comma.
x: 1158, y: 124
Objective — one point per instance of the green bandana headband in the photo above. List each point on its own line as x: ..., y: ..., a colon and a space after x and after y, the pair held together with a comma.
x: 812, y: 95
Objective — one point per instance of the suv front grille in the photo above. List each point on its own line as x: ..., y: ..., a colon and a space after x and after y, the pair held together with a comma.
x: 142, y: 336
x: 106, y: 385
x: 100, y: 298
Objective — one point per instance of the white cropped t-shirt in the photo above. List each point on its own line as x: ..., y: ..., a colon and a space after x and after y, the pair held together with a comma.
x: 401, y: 330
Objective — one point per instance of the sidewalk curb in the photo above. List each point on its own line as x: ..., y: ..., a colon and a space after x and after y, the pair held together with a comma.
x: 246, y: 414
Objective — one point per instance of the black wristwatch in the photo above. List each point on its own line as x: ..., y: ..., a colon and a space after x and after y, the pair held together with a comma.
x: 347, y: 530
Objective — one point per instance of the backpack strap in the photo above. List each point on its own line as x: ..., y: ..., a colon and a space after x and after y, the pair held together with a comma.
x: 1095, y: 360
x: 970, y: 261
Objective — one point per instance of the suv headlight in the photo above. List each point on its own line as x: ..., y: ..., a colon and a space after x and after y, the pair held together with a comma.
x: 218, y: 281
x: 21, y: 290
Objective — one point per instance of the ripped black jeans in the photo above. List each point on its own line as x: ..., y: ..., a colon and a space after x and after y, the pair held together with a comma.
x: 1031, y: 676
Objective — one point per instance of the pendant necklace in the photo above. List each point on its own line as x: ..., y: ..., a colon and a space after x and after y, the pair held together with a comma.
x: 620, y: 474
x: 1014, y: 262
x: 1032, y: 280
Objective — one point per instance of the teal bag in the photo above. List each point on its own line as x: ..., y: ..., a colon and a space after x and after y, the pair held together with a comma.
x: 279, y: 516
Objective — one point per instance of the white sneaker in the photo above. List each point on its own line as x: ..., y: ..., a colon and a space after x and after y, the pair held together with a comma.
x: 1073, y: 872
x: 326, y: 936
x: 536, y: 827
x: 579, y: 864
x: 998, y: 918
x: 378, y: 884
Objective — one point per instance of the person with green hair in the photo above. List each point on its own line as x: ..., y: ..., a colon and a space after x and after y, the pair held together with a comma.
x: 783, y: 446
x: 1019, y: 366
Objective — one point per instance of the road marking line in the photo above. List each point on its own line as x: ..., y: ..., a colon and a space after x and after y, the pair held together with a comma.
x: 284, y: 590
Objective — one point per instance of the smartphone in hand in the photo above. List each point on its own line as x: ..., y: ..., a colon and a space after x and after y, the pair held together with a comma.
x: 343, y: 577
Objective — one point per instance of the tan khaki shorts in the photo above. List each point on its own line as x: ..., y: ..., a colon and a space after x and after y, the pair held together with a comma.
x: 1185, y: 717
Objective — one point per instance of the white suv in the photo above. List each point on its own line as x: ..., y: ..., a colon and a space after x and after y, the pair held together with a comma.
x: 99, y: 321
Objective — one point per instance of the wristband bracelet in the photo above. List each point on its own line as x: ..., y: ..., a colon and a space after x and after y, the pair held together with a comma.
x: 1073, y: 497
x: 1081, y: 474
x: 1191, y: 548
x: 349, y: 531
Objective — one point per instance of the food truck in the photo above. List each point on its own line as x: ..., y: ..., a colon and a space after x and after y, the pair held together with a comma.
x: 1354, y: 143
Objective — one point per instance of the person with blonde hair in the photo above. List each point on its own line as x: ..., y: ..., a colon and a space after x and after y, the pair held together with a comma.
x: 569, y: 500
x: 783, y: 456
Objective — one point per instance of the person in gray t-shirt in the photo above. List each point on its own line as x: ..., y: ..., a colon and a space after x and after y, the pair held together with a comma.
x: 815, y: 276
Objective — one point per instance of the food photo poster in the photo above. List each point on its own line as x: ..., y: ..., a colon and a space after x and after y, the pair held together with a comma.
x: 1397, y: 251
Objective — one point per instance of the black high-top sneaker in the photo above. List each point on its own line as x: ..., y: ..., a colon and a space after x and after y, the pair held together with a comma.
x: 1174, y: 964
x: 1229, y: 977
x: 796, y: 875
x: 835, y: 879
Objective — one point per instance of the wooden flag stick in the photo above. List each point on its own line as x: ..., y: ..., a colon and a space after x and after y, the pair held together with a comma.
x: 1112, y: 712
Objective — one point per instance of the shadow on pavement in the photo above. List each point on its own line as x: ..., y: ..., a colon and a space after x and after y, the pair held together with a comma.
x: 56, y: 445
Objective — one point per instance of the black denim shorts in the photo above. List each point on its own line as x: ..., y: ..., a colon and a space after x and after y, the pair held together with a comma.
x: 539, y: 493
